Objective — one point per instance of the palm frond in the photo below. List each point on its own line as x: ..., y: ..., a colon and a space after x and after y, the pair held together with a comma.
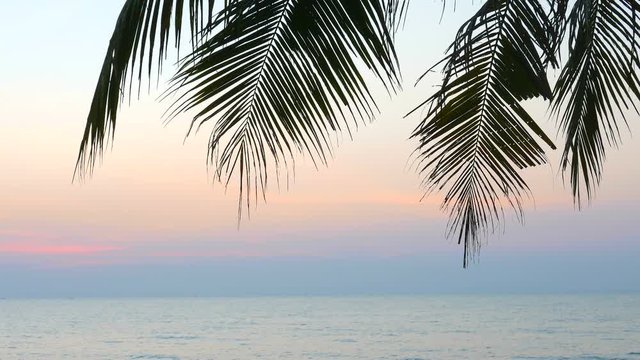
x: 396, y: 13
x: 279, y: 78
x: 476, y: 135
x: 596, y: 86
x: 142, y: 32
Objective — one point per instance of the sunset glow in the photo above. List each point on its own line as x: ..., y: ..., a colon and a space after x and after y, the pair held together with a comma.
x: 153, y: 198
x: 36, y: 249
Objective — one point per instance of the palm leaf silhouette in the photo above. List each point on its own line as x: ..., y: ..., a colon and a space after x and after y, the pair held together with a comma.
x: 597, y: 84
x: 278, y: 77
x: 142, y: 32
x: 476, y: 135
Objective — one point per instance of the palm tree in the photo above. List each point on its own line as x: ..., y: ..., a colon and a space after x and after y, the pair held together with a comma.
x: 276, y: 78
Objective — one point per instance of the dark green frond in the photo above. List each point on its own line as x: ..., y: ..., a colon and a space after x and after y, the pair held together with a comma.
x: 597, y: 85
x: 476, y: 135
x: 279, y: 78
x: 141, y: 37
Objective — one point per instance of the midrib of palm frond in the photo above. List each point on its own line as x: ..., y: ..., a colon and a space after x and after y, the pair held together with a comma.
x: 250, y: 117
x: 487, y: 86
x: 471, y: 173
x: 580, y: 131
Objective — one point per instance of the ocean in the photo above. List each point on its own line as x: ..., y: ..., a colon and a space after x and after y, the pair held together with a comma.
x: 567, y: 327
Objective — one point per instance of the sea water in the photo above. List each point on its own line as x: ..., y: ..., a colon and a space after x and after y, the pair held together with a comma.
x: 564, y: 327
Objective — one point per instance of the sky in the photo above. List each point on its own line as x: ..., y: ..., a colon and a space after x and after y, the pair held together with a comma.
x: 151, y: 222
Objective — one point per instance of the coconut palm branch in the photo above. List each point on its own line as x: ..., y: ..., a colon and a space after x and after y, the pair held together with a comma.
x: 281, y: 77
x: 275, y: 77
x: 475, y: 135
x: 598, y: 84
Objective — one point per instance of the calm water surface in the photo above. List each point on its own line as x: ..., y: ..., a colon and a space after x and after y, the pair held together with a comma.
x: 416, y: 328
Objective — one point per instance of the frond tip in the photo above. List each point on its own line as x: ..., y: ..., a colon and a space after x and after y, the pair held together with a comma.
x: 140, y: 40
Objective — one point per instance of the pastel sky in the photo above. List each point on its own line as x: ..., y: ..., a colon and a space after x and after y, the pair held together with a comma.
x: 151, y: 201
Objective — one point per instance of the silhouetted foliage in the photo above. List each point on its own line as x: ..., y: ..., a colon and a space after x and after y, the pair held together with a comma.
x: 277, y: 78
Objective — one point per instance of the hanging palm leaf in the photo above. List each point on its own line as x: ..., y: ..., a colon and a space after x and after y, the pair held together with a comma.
x: 277, y: 77
x: 476, y: 135
x: 597, y: 85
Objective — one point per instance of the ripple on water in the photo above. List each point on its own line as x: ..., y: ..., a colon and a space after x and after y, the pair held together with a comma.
x: 113, y: 342
x: 346, y: 340
x: 176, y: 337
